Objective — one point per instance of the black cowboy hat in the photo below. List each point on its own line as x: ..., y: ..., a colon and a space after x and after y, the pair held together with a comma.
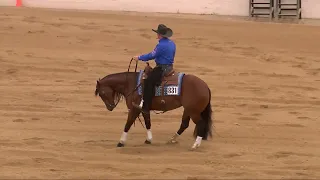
x: 163, y: 30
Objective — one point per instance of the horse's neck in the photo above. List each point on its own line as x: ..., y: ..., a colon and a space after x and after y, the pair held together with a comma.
x: 121, y: 82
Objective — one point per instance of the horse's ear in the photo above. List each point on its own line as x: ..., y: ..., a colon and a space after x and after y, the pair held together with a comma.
x: 98, y: 83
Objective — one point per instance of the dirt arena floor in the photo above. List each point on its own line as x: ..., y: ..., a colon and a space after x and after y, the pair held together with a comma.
x: 265, y: 80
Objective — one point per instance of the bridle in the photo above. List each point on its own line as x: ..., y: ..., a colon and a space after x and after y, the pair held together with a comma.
x: 112, y: 105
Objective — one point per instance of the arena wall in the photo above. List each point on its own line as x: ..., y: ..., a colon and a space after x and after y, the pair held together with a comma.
x: 7, y: 2
x: 310, y: 8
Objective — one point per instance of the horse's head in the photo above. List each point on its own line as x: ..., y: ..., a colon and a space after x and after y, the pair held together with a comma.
x: 107, y: 95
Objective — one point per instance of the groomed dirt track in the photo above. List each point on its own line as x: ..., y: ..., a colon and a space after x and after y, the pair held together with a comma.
x: 264, y: 78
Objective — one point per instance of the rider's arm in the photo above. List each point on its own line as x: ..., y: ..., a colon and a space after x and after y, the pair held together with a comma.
x: 151, y: 55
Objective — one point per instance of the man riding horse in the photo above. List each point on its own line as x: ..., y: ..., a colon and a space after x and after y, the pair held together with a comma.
x: 196, y: 102
x: 164, y: 54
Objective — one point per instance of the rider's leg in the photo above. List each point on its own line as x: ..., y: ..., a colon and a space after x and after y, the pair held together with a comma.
x: 147, y: 92
x: 152, y: 81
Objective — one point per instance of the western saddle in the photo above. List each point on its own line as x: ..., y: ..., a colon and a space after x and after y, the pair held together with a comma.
x: 170, y: 78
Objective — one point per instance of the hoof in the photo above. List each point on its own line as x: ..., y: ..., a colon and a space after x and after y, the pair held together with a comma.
x: 120, y: 145
x: 147, y: 142
x: 194, y: 147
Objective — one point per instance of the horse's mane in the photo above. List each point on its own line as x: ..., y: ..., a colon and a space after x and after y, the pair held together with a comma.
x: 116, y: 74
x: 118, y: 96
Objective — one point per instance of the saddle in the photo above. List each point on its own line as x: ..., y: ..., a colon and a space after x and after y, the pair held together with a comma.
x: 170, y: 82
x: 168, y: 78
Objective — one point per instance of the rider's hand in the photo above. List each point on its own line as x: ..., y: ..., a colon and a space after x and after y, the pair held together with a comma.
x: 136, y: 58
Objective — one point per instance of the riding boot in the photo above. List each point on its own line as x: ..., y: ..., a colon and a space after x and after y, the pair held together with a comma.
x: 148, y: 94
x: 146, y: 100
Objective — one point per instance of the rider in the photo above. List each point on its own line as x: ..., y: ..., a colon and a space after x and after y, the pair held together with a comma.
x: 164, y: 54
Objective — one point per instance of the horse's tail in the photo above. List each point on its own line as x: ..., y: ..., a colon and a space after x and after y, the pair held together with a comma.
x: 206, y: 116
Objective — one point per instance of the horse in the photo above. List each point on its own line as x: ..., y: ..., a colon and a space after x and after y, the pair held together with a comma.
x: 176, y: 90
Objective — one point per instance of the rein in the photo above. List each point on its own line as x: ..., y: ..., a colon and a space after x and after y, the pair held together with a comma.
x: 135, y: 70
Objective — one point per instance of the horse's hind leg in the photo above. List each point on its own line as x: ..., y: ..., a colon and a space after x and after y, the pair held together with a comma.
x: 184, y: 125
x: 203, y: 127
x: 199, y: 131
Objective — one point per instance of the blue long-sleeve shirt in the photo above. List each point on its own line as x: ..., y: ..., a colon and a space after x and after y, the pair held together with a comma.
x: 163, y: 53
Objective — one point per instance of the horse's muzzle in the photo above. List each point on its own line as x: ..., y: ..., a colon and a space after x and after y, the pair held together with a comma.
x: 110, y: 107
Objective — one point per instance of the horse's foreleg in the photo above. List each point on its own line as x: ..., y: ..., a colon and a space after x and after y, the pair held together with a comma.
x: 184, y: 125
x: 147, y: 122
x: 132, y: 115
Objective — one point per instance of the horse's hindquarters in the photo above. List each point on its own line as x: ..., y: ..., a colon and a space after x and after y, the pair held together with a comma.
x: 195, y: 93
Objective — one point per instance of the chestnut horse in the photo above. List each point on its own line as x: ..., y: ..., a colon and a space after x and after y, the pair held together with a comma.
x: 186, y: 90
